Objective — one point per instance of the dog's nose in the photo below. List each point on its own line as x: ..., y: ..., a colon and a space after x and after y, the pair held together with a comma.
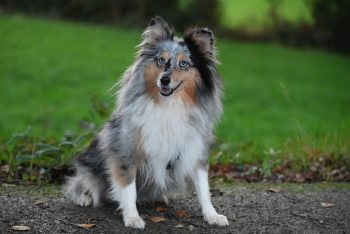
x: 165, y: 80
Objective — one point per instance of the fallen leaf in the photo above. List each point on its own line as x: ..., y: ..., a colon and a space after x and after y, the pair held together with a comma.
x: 161, y: 209
x: 5, y: 168
x: 39, y: 203
x: 326, y: 204
x: 190, y: 228
x: 8, y: 185
x: 180, y: 213
x: 156, y: 219
x: 299, y: 178
x: 274, y: 190
x: 179, y: 226
x: 86, y: 225
x: 20, y: 228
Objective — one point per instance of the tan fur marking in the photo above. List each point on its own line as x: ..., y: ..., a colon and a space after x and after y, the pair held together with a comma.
x: 166, y: 55
x: 181, y: 57
x: 190, y: 78
x: 151, y: 74
x: 123, y: 178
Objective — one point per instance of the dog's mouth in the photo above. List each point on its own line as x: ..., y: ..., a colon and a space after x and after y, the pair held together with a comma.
x: 166, y: 91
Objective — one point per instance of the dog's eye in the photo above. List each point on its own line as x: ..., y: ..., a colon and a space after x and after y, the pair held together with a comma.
x: 183, y: 64
x: 161, y: 61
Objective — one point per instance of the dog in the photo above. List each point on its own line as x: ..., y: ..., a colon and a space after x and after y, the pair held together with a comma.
x: 159, y: 136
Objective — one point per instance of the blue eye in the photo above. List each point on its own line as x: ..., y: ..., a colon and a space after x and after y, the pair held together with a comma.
x: 161, y: 61
x: 183, y: 64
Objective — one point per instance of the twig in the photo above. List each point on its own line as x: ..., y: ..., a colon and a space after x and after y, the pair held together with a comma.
x: 300, y: 215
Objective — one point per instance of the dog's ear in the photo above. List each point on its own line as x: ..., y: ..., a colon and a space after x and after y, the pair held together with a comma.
x: 158, y: 30
x: 202, y: 40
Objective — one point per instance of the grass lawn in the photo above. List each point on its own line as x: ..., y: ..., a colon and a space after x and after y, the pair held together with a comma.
x: 50, y: 71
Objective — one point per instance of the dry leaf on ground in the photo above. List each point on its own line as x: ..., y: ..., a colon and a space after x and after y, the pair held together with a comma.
x: 179, y: 226
x: 274, y: 190
x: 326, y: 204
x: 86, y: 225
x: 190, y: 228
x: 39, y: 203
x: 20, y: 228
x: 161, y: 209
x: 156, y: 219
x: 180, y: 213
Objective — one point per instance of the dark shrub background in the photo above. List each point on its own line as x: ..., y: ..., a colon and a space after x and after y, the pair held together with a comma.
x: 134, y: 12
x: 329, y: 30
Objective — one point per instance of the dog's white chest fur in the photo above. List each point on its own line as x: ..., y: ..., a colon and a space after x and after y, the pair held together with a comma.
x: 168, y: 135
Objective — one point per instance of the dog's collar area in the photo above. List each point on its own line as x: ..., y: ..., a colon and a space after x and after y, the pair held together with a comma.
x: 171, y: 163
x: 164, y: 91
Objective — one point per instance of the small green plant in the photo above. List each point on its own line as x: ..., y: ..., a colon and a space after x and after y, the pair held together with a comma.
x: 299, y: 160
x: 27, y: 157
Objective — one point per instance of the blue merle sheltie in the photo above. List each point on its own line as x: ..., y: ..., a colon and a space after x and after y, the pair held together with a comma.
x: 159, y: 136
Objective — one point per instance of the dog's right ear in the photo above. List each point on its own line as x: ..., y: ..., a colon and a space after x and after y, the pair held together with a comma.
x: 158, y: 30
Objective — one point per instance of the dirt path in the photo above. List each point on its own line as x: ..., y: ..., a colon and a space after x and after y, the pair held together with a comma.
x: 249, y: 208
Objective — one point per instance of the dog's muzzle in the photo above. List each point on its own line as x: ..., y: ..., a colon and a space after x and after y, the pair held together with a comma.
x: 165, y: 90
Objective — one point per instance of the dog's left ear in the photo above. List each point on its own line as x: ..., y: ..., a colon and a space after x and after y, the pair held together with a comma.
x: 201, y: 40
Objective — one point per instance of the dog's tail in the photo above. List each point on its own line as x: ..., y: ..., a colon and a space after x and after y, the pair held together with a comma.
x: 87, y: 186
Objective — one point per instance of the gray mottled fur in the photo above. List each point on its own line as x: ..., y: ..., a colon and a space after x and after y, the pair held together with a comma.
x: 120, y: 139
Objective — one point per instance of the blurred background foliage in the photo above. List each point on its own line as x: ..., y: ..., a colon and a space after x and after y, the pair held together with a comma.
x: 287, y: 115
x: 321, y: 23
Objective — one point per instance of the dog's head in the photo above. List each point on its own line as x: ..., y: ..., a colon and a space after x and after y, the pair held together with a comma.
x: 178, y: 67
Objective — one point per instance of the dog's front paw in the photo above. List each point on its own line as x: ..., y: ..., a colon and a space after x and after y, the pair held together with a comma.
x: 134, y: 222
x: 216, y: 219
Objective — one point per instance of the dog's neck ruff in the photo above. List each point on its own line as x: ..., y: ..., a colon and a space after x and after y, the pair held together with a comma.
x: 169, y: 136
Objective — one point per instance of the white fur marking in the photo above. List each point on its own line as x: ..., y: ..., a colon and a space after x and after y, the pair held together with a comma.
x: 126, y: 196
x: 167, y: 133
x: 200, y: 181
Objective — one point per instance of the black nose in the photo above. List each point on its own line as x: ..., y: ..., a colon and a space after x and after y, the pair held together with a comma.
x: 165, y: 80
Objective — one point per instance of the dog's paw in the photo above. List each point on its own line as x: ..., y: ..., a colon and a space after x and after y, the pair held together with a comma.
x: 216, y: 219
x: 83, y: 200
x: 134, y: 222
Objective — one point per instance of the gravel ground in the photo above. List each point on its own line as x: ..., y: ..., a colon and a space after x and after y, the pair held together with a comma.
x: 249, y: 208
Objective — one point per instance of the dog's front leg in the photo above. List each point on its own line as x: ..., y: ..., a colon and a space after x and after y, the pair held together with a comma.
x: 200, y: 181
x: 126, y: 196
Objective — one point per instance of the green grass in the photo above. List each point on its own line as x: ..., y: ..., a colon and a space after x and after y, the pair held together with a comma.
x: 253, y: 15
x: 50, y: 70
x: 275, y: 97
x: 273, y: 93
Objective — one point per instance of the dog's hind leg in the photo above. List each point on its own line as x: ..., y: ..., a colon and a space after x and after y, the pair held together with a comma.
x: 88, y: 185
x: 85, y: 188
